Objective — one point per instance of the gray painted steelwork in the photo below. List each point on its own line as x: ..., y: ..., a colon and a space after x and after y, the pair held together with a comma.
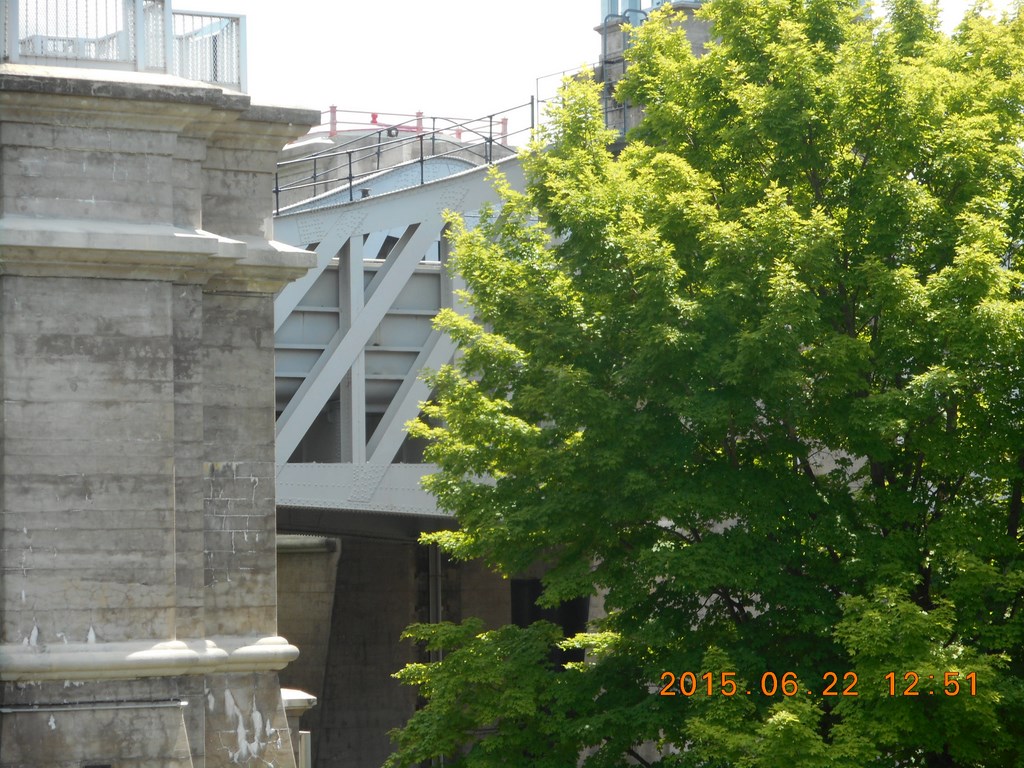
x: 354, y: 334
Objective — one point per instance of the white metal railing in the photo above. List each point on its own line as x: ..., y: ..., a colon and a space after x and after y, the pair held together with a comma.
x: 143, y: 35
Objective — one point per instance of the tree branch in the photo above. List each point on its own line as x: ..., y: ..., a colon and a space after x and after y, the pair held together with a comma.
x: 734, y: 606
x: 633, y: 753
x: 1016, y: 502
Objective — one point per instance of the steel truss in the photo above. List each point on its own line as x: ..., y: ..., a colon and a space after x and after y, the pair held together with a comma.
x: 353, y: 335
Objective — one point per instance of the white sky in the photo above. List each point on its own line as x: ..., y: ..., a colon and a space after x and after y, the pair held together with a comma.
x: 456, y: 59
x: 449, y: 59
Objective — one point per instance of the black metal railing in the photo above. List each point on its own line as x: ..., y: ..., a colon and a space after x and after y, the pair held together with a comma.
x: 375, y: 145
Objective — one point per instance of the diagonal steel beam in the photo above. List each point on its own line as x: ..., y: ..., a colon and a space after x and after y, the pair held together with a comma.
x: 347, y: 225
x: 437, y: 350
x: 344, y: 348
x: 388, y: 436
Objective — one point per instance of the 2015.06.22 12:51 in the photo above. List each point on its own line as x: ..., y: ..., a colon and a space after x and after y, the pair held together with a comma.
x: 724, y: 683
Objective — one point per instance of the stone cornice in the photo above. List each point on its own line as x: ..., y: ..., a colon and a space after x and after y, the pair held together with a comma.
x: 156, y: 103
x: 149, y: 87
x: 268, y: 265
x: 108, y: 661
x: 88, y: 109
x: 39, y: 247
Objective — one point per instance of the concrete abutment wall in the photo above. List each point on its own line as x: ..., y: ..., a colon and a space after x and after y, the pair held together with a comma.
x: 138, y: 614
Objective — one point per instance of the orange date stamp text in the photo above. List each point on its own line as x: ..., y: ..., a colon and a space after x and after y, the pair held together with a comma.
x: 832, y: 684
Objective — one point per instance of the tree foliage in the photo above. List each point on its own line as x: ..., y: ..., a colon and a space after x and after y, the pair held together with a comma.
x: 756, y: 381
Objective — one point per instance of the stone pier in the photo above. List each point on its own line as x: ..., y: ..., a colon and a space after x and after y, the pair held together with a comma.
x: 138, y: 615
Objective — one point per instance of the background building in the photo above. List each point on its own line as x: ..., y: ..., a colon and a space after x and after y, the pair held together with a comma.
x: 615, y: 14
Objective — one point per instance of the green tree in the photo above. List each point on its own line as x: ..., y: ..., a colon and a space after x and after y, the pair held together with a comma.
x: 757, y: 381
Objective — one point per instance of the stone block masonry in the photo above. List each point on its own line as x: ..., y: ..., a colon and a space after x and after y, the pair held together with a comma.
x: 138, y: 616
